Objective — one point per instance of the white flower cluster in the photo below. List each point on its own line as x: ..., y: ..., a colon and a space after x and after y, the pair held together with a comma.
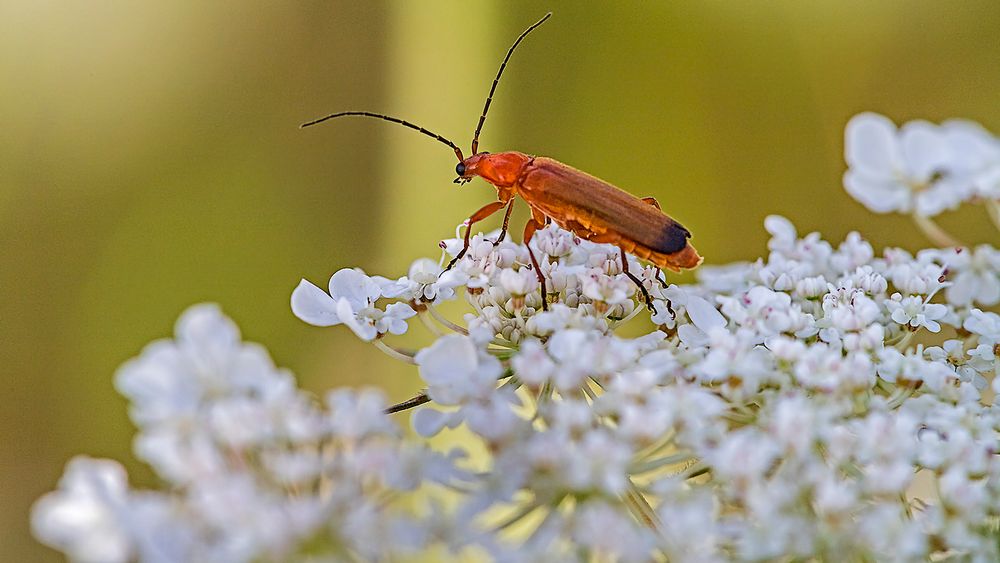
x: 252, y: 467
x: 826, y: 402
x: 920, y: 168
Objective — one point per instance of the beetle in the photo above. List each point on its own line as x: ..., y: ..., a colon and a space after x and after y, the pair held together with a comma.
x: 590, y: 208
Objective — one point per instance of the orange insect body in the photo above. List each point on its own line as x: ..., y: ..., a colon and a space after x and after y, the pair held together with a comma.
x: 587, y: 206
x: 578, y: 202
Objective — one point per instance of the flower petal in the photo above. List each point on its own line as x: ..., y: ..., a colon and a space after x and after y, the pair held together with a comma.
x: 704, y: 315
x: 880, y: 195
x: 428, y: 422
x: 345, y: 311
x: 451, y: 356
x: 314, y: 306
x: 924, y: 149
x: 399, y: 311
x: 870, y: 145
x: 354, y: 285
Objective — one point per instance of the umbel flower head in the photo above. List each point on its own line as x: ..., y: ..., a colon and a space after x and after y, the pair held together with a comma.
x: 828, y: 401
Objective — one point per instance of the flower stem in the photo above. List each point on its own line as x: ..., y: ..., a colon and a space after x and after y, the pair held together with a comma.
x: 654, y: 464
x: 615, y: 324
x: 401, y: 355
x: 441, y: 319
x: 643, y: 511
x: 430, y: 325
x: 934, y: 232
x: 904, y: 341
x: 696, y: 469
x: 649, y: 451
x: 409, y: 403
x: 517, y: 516
x: 899, y: 396
x: 993, y: 210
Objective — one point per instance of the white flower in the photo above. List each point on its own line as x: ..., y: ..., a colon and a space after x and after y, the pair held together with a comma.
x: 846, y: 310
x: 533, y: 365
x: 703, y: 315
x: 735, y: 361
x: 206, y: 389
x: 912, y: 369
x: 316, y: 307
x: 358, y: 414
x: 765, y: 311
x: 87, y: 517
x: 579, y: 355
x: 974, y: 154
x: 811, y: 287
x: 916, y: 312
x: 424, y: 281
x: 914, y: 277
x: 689, y: 532
x: 560, y: 317
x: 969, y: 365
x: 866, y: 279
x: 743, y: 457
x: 555, y: 242
x: 853, y: 254
x: 606, y: 289
x: 904, y: 170
x: 828, y: 370
x: 976, y: 276
x: 456, y: 371
x: 459, y: 373
x: 602, y: 528
x: 519, y: 282
x: 984, y: 324
x: 778, y: 410
x: 351, y: 301
x: 783, y: 234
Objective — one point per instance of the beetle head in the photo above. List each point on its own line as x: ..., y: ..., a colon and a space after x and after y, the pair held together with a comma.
x: 469, y: 168
x: 501, y: 169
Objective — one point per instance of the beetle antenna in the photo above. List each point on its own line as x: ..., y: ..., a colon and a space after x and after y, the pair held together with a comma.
x: 404, y: 123
x: 489, y: 99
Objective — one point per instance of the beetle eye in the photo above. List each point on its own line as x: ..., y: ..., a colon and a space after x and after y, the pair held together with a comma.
x: 460, y: 168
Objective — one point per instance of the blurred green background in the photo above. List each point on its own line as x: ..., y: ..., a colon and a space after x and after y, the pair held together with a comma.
x: 150, y: 159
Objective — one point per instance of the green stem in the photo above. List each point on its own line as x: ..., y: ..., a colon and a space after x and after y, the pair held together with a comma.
x: 655, y: 447
x: 400, y: 355
x: 643, y: 510
x: 993, y: 210
x: 901, y: 395
x: 653, y: 464
x: 934, y: 232
x: 693, y: 471
x: 615, y: 324
x: 903, y: 342
x: 441, y: 319
x: 430, y: 325
x: 516, y: 517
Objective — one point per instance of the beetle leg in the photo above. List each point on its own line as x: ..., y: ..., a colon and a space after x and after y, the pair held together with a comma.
x: 659, y: 273
x: 483, y: 213
x: 660, y: 278
x: 506, y: 218
x: 635, y: 280
x: 529, y: 231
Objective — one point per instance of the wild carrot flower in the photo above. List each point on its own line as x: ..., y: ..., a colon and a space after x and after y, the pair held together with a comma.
x: 776, y: 409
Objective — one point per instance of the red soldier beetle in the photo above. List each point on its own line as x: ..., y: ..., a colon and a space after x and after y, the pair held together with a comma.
x: 590, y: 208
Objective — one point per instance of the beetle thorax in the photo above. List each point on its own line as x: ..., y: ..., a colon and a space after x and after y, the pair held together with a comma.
x: 501, y: 169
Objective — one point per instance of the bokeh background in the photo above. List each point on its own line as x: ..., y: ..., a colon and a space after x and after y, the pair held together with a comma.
x: 150, y: 159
